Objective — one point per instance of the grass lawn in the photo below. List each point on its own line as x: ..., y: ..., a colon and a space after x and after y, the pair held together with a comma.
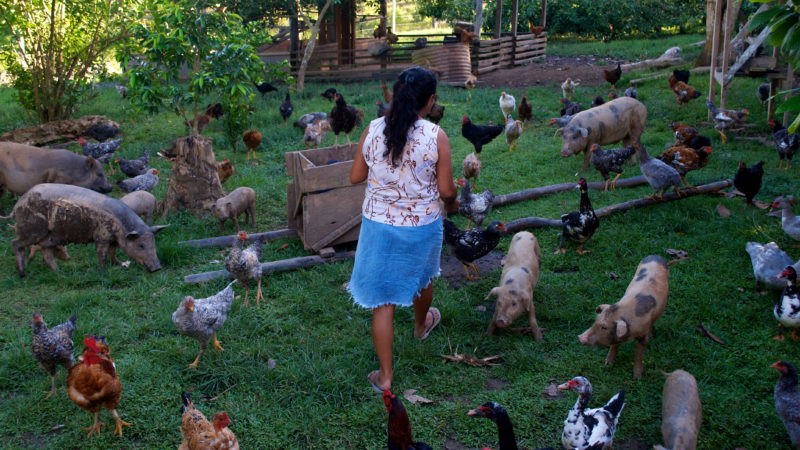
x: 316, y: 395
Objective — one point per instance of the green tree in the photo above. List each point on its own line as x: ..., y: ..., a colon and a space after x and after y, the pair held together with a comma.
x: 57, y: 47
x: 187, y: 52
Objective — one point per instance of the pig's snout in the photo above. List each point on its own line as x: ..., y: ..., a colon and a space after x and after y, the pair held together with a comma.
x: 153, y: 267
x: 105, y: 188
x: 502, y: 322
x: 584, y: 338
x: 566, y: 153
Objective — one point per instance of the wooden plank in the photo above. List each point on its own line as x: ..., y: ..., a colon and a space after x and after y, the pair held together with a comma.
x: 274, y: 266
x: 337, y: 233
x: 746, y: 55
x: 324, y: 212
x: 726, y: 51
x: 227, y: 241
x: 714, y: 52
x: 534, y: 193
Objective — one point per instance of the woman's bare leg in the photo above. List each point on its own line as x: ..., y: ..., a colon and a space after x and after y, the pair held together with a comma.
x: 382, y: 337
x: 421, y: 304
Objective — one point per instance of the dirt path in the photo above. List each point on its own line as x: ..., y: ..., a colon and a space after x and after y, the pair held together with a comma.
x: 553, y: 69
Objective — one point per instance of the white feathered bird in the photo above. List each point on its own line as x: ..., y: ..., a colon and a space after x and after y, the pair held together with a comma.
x: 200, y: 318
x: 507, y: 103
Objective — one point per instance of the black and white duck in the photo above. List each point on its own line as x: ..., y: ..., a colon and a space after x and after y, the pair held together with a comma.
x: 590, y: 428
x: 579, y: 225
x: 787, y: 310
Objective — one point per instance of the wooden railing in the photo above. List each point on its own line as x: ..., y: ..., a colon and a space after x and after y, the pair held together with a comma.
x: 492, y: 54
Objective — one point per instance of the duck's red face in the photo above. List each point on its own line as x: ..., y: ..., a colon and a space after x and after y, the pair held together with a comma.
x: 779, y: 366
x: 570, y: 385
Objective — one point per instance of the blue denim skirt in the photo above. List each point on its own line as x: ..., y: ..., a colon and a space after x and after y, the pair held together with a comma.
x: 393, y: 264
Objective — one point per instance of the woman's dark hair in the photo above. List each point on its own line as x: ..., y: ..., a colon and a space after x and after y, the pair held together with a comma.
x: 411, y: 92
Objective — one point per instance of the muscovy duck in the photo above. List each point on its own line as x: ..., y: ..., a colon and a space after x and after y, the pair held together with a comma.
x: 787, y: 310
x: 787, y: 400
x: 768, y: 262
x: 789, y: 222
x: 475, y: 207
x: 497, y: 414
x: 587, y: 428
x: 579, y: 225
x: 469, y: 245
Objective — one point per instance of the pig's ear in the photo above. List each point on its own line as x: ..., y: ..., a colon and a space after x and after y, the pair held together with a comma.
x: 492, y: 292
x: 584, y: 132
x: 157, y: 228
x: 229, y: 208
x: 600, y: 308
x: 132, y: 235
x: 91, y: 163
x: 622, y: 328
x: 559, y: 131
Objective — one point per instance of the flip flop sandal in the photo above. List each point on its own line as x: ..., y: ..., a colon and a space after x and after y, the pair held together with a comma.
x: 372, y: 383
x: 437, y: 317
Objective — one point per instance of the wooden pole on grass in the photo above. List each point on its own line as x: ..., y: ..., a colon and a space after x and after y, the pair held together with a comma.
x: 274, y: 266
x: 714, y: 53
x: 227, y: 241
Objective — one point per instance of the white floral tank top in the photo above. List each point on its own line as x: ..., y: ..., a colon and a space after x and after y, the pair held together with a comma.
x: 406, y: 195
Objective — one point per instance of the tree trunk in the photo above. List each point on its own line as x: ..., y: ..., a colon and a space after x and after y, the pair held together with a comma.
x: 194, y: 182
x: 704, y: 59
x: 312, y: 40
x: 478, y: 18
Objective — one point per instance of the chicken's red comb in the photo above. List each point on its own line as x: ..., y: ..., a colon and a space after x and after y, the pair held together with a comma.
x: 90, y: 342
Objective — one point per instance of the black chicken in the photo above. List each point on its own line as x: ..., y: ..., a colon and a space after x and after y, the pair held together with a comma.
x: 101, y: 132
x: 215, y: 110
x: 570, y: 108
x: 399, y: 427
x: 264, y: 88
x: 611, y: 160
x: 329, y: 93
x: 787, y: 400
x: 748, y: 179
x: 598, y: 101
x: 786, y: 143
x: 469, y: 245
x: 134, y: 167
x: 763, y: 94
x: 343, y: 118
x: 479, y: 135
x: 475, y: 207
x: 286, y: 108
x: 699, y: 141
x: 681, y: 75
x: 579, y: 225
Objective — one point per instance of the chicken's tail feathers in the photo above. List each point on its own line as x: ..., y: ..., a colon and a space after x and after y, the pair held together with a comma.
x: 186, y: 398
x: 72, y: 319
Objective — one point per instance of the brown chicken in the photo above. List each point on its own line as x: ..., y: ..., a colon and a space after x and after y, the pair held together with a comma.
x: 525, y: 110
x: 683, y: 134
x: 224, y: 169
x: 613, y: 76
x: 94, y: 382
x: 198, y: 433
x: 471, y: 167
x: 686, y: 159
x: 53, y: 347
x: 344, y: 118
x: 683, y: 92
x: 436, y: 114
x: 387, y: 96
x: 252, y: 139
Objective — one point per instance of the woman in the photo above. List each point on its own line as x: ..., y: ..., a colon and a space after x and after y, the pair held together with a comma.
x: 406, y: 162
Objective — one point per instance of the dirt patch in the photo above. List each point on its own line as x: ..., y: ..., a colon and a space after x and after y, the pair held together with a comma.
x: 453, y: 270
x: 553, y: 69
x: 452, y: 444
x: 497, y: 384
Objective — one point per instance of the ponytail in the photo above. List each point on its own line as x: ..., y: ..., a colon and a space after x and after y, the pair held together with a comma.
x: 412, y: 90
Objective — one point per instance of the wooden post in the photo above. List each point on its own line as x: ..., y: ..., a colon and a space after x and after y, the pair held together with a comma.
x: 382, y: 12
x: 726, y: 52
x: 544, y: 14
x: 498, y: 19
x: 714, y: 50
x: 294, y: 40
x: 789, y: 82
x: 514, y: 20
x: 478, y: 19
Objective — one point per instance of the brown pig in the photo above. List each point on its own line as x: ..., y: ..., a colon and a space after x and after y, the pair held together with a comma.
x: 240, y: 200
x: 634, y: 315
x: 59, y: 251
x: 142, y: 203
x: 23, y: 166
x: 620, y: 119
x: 519, y: 278
x: 224, y: 169
x: 681, y: 412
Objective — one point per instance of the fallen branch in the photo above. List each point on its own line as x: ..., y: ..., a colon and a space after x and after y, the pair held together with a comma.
x: 227, y: 241
x: 708, y: 334
x: 282, y: 265
x: 220, y: 394
x: 534, y: 193
x: 540, y: 222
x: 665, y: 75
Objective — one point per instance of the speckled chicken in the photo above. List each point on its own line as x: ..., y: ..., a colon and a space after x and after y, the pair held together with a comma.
x: 134, y: 167
x: 787, y: 400
x: 659, y: 175
x: 469, y: 245
x: 475, y: 207
x: 144, y: 182
x: 748, y: 179
x: 471, y: 167
x: 590, y: 428
x: 398, y: 426
x: 683, y: 92
x: 789, y: 222
x: 507, y: 104
x: 768, y: 262
x: 200, y: 318
x: 631, y: 92
x: 683, y: 134
x: 786, y: 144
x: 725, y: 119
x: 102, y: 151
x: 200, y: 434
x: 610, y: 160
x: 787, y: 310
x: 685, y: 160
x: 94, y: 383
x: 53, y: 347
x: 513, y: 131
x: 579, y: 225
x: 243, y: 264
x: 286, y: 108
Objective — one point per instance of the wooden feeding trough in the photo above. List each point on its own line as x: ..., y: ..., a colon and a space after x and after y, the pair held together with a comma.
x: 321, y: 204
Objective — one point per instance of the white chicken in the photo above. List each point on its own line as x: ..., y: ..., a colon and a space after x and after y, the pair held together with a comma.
x: 507, y: 103
x: 568, y: 88
x: 513, y: 132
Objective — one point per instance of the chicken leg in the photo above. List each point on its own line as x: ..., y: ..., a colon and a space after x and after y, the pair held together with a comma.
x: 246, y: 293
x: 688, y: 186
x: 336, y: 140
x: 347, y: 135
x: 259, y: 295
x: 605, y: 189
x: 95, y: 428
x: 110, y: 167
x: 467, y: 267
x: 52, y: 387
x: 216, y: 343
x: 582, y: 251
x: 614, y: 183
x: 794, y: 335
x: 196, y: 361
x: 120, y: 423
x: 780, y: 164
x: 722, y: 135
x: 779, y: 337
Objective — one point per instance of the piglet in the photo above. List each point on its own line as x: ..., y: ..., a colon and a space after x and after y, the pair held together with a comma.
x: 681, y: 412
x: 241, y: 200
x: 58, y: 251
x: 142, y: 203
x: 634, y: 315
x: 519, y: 278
